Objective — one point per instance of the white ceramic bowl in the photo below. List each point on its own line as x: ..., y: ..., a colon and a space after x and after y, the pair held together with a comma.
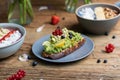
x: 9, y: 50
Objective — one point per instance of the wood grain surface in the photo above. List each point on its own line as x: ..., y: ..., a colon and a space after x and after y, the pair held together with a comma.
x: 85, y: 69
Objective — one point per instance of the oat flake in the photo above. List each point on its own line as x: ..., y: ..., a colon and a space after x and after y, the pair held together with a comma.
x: 39, y: 29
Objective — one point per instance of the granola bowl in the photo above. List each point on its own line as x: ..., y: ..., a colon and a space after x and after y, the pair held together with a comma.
x: 98, y: 18
x: 11, y: 38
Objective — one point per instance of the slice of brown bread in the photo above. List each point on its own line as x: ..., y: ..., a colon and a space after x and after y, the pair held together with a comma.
x: 64, y: 52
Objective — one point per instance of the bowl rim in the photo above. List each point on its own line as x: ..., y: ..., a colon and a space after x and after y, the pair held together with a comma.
x: 22, y: 37
x: 76, y: 11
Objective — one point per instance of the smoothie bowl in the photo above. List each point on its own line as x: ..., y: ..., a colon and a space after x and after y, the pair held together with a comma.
x: 11, y: 38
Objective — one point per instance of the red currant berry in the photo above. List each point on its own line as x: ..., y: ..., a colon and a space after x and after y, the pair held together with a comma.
x: 14, y: 76
x: 21, y: 76
x: 21, y: 73
x: 10, y: 78
x: 109, y: 48
x: 54, y: 33
x: 18, y: 72
x: 106, y: 47
x: 57, y: 32
x: 61, y: 33
x: 17, y: 76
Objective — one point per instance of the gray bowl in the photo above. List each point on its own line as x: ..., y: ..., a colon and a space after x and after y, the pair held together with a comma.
x: 13, y: 48
x: 98, y: 26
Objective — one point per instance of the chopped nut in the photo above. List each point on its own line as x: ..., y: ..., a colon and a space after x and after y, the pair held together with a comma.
x: 109, y: 13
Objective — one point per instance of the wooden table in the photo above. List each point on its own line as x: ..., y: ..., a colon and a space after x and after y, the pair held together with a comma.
x: 85, y: 69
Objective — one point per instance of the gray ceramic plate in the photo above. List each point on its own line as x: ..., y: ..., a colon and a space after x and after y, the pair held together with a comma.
x: 79, y: 54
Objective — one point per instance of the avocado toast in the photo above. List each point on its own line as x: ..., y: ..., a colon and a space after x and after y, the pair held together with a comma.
x: 61, y: 43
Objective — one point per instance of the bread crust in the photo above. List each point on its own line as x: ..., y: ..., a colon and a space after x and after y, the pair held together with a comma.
x: 64, y: 52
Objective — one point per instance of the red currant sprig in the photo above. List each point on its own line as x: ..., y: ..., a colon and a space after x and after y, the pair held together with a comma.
x: 109, y: 48
x: 58, y: 31
x: 18, y: 76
